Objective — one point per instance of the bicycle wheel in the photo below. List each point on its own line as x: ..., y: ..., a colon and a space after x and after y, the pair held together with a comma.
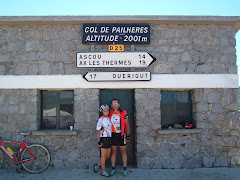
x: 40, y: 163
x: 1, y: 158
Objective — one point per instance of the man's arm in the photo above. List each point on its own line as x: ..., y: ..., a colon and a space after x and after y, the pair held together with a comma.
x: 128, y: 126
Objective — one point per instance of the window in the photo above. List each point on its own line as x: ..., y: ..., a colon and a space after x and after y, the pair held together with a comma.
x: 57, y: 109
x: 176, y: 108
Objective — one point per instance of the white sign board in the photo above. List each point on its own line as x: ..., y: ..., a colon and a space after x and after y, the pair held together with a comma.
x: 117, y: 76
x: 114, y: 59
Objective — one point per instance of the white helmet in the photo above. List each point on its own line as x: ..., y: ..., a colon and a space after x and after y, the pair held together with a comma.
x: 103, y: 107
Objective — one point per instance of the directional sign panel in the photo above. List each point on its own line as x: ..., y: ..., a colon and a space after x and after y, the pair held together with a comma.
x: 117, y: 76
x: 114, y: 59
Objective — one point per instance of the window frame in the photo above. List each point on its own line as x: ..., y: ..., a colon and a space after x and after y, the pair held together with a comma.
x: 58, y: 104
x: 174, y: 104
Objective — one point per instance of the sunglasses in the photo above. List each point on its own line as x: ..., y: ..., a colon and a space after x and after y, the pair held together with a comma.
x: 114, y: 103
x: 105, y: 110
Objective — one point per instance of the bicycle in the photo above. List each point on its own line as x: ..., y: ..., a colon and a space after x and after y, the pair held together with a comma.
x: 34, y: 158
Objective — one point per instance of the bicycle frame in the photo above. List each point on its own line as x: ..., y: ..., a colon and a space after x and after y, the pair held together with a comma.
x: 23, y: 145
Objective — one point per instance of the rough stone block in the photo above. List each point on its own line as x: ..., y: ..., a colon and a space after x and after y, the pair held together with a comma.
x: 20, y: 45
x: 208, y: 162
x: 200, y: 116
x: 27, y: 34
x: 173, y: 57
x: 47, y: 45
x: 84, y: 134
x: 69, y: 45
x: 168, y: 41
x: 4, y: 58
x: 58, y: 164
x: 2, y: 70
x: 166, y: 150
x: 74, y: 154
x: 63, y: 56
x: 61, y: 154
x: 204, y: 68
x: 45, y: 68
x: 74, y: 35
x: 219, y: 68
x: 232, y: 107
x: 70, y: 164
x: 232, y: 69
x: 235, y: 160
x: 33, y: 45
x: 198, y: 41
x: 166, y: 163
x: 52, y: 34
x: 229, y: 50
x: 179, y: 68
x: 40, y: 34
x: 185, y: 57
x: 213, y: 97
x: 157, y: 163
x: 185, y: 41
x: 162, y: 49
x: 145, y: 163
x: 229, y: 34
x: 157, y: 33
x: 222, y: 162
x: 33, y: 69
x: 57, y: 68
x: 81, y: 164
x: 204, y: 125
x: 217, y: 108
x: 204, y: 34
x: 202, y: 106
x: 63, y: 35
x: 182, y: 33
x: 194, y: 162
x: 167, y: 33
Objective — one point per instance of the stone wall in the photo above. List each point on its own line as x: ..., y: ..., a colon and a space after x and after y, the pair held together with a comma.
x: 20, y: 112
x: 51, y: 49
x: 215, y: 145
x: 214, y: 113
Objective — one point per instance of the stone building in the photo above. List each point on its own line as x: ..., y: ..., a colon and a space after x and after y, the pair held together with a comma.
x: 193, y: 80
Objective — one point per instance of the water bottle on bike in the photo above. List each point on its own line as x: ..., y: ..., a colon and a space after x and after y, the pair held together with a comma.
x: 10, y: 150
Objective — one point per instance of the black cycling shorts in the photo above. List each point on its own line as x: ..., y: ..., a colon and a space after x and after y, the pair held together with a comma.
x: 106, y: 141
x: 117, y: 139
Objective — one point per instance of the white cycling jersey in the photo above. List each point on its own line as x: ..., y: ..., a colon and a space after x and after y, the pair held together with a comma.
x: 105, y: 124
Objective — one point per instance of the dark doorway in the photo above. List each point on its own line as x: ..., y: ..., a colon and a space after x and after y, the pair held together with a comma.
x: 126, y: 98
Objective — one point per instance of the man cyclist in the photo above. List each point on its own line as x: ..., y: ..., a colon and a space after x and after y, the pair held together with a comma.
x: 120, y: 134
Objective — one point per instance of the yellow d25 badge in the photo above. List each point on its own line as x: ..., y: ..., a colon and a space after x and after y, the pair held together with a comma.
x: 116, y: 47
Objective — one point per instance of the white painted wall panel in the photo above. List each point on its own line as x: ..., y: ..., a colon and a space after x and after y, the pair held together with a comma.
x: 167, y: 81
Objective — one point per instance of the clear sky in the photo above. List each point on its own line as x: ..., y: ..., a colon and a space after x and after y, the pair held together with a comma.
x: 123, y: 7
